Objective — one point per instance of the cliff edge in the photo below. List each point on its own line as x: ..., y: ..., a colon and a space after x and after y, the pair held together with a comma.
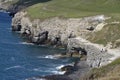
x: 78, y: 27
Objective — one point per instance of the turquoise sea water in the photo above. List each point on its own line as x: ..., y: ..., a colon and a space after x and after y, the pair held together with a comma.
x: 20, y: 60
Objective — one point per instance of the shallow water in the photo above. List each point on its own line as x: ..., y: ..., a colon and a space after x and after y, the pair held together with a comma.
x: 20, y: 60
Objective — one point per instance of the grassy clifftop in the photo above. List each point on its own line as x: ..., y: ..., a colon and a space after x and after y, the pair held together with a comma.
x: 109, y: 72
x: 73, y: 8
x: 69, y: 8
x: 79, y: 8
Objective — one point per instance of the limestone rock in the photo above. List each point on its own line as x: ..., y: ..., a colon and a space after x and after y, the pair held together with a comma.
x: 56, y: 27
x: 96, y: 55
x: 61, y: 31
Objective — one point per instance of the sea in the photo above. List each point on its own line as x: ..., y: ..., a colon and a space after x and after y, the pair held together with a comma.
x: 20, y: 60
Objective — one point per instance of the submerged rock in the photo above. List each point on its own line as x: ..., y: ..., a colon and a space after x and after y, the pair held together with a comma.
x: 68, y: 69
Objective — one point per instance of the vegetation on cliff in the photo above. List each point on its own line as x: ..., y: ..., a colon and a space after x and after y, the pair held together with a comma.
x: 109, y: 34
x: 69, y: 8
x: 109, y: 72
x: 80, y: 8
x: 73, y: 8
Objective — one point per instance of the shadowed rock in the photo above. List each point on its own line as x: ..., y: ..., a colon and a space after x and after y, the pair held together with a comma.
x: 16, y: 28
x: 51, y: 77
x: 41, y: 38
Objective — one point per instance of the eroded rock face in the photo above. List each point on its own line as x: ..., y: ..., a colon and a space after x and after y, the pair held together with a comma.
x: 60, y: 31
x: 16, y: 22
x: 4, y: 6
x: 96, y: 55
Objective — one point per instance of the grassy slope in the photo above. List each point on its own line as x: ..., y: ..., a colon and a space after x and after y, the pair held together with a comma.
x: 74, y: 8
x: 109, y: 72
x: 110, y: 33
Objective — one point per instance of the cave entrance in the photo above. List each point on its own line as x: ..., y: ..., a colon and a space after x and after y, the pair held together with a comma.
x: 78, y: 51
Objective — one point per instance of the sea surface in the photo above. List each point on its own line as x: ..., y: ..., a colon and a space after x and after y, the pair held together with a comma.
x: 20, y: 60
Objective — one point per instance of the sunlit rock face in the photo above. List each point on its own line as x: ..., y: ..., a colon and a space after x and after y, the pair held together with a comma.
x: 4, y: 6
x: 61, y: 31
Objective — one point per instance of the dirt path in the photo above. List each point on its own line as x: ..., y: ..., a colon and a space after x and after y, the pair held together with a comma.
x: 114, y: 52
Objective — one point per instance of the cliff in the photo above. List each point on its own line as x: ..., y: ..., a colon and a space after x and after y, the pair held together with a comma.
x: 65, y: 32
x: 6, y: 4
x: 61, y: 23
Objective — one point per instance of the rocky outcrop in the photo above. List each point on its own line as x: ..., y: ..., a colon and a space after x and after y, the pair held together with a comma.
x: 59, y: 29
x: 4, y: 4
x: 62, y: 31
x: 97, y: 55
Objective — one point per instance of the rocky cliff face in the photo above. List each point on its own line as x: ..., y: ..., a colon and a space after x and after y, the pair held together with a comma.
x: 97, y: 55
x: 60, y: 31
x: 57, y: 27
x: 4, y: 4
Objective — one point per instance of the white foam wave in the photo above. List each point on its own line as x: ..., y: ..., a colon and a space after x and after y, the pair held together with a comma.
x: 53, y: 56
x: 59, y: 67
x: 58, y: 72
x: 26, y: 43
x: 48, y: 57
x: 13, y: 67
x: 38, y: 70
x: 52, y: 70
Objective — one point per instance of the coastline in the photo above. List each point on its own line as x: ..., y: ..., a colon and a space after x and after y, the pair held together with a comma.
x: 81, y: 69
x: 40, y: 36
x: 59, y: 33
x: 70, y: 76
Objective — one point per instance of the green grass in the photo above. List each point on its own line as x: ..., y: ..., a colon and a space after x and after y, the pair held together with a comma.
x: 116, y: 62
x: 106, y: 72
x: 82, y: 8
x: 110, y: 33
x: 70, y: 8
x: 74, y: 8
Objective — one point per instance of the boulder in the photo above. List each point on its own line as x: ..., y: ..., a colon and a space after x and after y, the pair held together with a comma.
x: 68, y: 69
x: 41, y: 38
x: 16, y: 28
